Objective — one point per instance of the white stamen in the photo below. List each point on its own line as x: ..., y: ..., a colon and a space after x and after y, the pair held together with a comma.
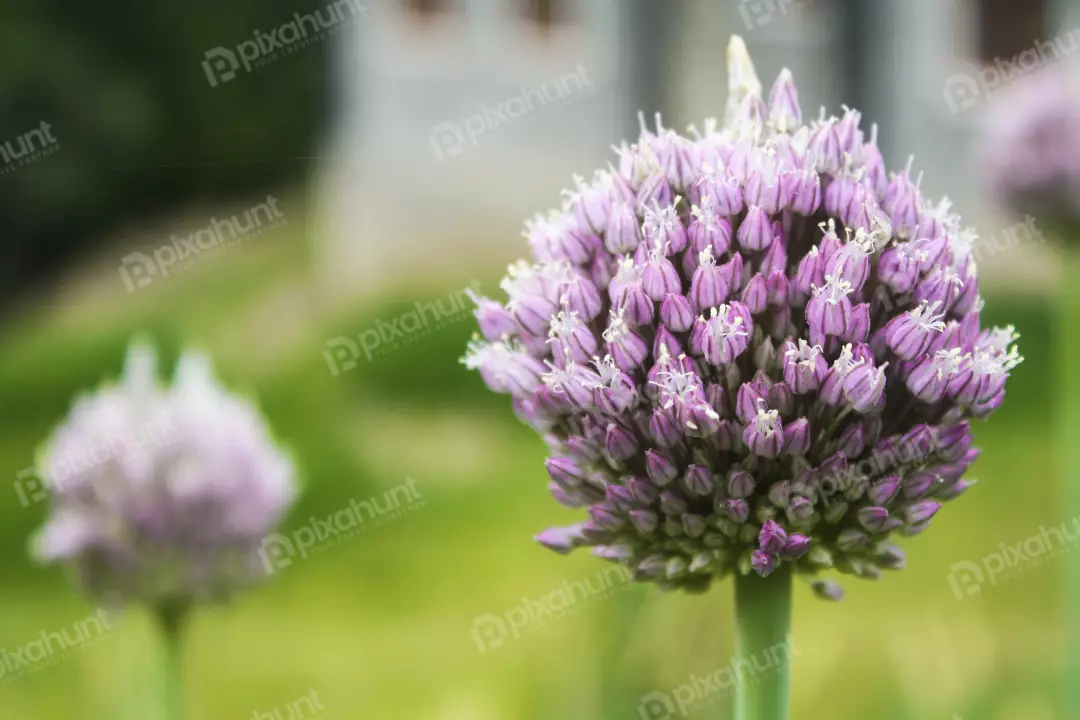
x: 721, y: 327
x: 1000, y: 339
x: 563, y: 325
x: 658, y: 218
x: 846, y: 362
x: 617, y: 328
x: 834, y: 289
x: 705, y: 257
x: 706, y: 215
x: 558, y: 378
x: 607, y: 370
x: 806, y: 354
x: 926, y: 317
x: 766, y: 420
x: 628, y: 272
x: 1011, y: 359
x: 675, y: 385
x: 947, y: 362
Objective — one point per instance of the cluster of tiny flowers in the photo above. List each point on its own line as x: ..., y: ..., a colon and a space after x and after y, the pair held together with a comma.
x: 178, y: 517
x: 1030, y: 145
x: 747, y: 347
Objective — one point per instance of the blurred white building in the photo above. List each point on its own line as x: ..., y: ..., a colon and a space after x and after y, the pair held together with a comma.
x: 460, y: 118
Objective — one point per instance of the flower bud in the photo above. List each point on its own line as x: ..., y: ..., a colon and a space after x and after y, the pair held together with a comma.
x: 764, y: 563
x: 619, y: 443
x: 864, y: 387
x: 784, y: 112
x: 676, y: 313
x: 772, y: 537
x: 797, y: 545
x: 755, y: 232
x: 755, y: 295
x: 797, y: 437
x: 698, y: 480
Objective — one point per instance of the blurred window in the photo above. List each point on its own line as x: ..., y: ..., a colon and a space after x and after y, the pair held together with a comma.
x: 544, y: 14
x: 427, y: 8
x: 1009, y: 27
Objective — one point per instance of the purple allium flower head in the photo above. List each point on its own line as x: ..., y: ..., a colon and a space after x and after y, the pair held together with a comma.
x: 795, y: 347
x: 182, y: 513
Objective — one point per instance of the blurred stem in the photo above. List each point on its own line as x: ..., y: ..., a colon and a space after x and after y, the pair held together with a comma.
x: 1068, y: 432
x: 172, y: 617
x: 762, y: 645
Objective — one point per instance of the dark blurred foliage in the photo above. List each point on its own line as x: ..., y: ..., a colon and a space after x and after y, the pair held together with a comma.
x: 139, y: 127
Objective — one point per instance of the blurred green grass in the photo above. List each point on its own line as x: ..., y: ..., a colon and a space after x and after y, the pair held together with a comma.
x: 380, y: 625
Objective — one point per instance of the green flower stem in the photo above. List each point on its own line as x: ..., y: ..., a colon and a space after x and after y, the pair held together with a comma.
x: 1068, y: 434
x: 172, y: 618
x: 763, y: 645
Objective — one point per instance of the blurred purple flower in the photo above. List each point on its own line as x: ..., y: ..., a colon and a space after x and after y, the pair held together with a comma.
x: 1030, y: 145
x: 790, y: 338
x: 177, y: 517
